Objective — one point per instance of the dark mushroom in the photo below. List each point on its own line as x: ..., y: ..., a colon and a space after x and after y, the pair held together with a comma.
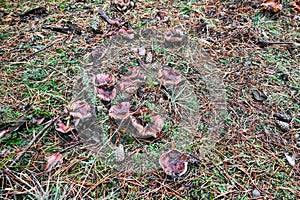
x: 174, y: 163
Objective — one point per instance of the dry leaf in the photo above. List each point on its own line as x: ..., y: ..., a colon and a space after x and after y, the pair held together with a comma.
x: 53, y: 160
x: 296, y: 5
x: 272, y: 5
x: 291, y: 160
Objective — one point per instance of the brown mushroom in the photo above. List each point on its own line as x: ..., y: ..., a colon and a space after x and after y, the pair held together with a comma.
x: 120, y: 111
x: 169, y: 77
x: 130, y: 83
x: 174, y: 163
x: 149, y: 130
x: 126, y: 34
x: 123, y: 5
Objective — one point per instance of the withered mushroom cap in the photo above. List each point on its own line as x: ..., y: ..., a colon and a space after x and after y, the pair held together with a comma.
x: 80, y: 109
x: 126, y: 34
x: 105, y: 89
x: 151, y: 129
x: 169, y: 77
x: 130, y: 83
x: 174, y: 163
x: 105, y: 93
x: 120, y: 111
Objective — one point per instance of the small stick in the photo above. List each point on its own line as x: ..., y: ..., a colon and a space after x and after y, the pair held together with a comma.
x: 32, y: 141
x: 264, y: 43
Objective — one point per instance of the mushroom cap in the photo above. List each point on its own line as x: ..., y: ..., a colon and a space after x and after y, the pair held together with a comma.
x: 63, y: 127
x: 151, y: 129
x: 106, y: 93
x: 80, y: 109
x: 104, y: 79
x: 174, y: 163
x: 169, y: 77
x: 120, y: 111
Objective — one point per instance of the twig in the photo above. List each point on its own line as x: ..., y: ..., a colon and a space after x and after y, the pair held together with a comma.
x: 32, y: 141
x: 264, y: 43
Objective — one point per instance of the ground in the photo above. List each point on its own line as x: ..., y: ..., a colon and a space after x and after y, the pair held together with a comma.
x: 257, y: 125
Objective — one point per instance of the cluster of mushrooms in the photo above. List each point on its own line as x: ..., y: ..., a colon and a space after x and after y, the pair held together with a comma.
x: 107, y: 87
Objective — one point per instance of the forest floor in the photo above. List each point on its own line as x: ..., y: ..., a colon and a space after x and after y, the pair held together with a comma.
x: 237, y: 110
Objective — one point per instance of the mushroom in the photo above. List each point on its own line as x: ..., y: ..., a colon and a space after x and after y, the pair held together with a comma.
x: 162, y: 15
x: 169, y: 77
x: 131, y: 82
x: 120, y: 111
x: 126, y: 34
x: 80, y: 109
x: 174, y: 163
x: 64, y: 126
x: 105, y: 89
x: 123, y: 5
x: 149, y: 130
x: 174, y: 37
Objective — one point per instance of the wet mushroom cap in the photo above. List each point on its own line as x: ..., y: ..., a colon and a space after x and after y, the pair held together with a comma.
x: 174, y: 162
x: 120, y: 111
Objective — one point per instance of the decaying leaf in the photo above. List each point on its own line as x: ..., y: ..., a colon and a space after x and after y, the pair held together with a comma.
x: 174, y: 163
x: 272, y: 5
x: 291, y: 160
x: 53, y: 160
x: 296, y: 5
x: 258, y: 95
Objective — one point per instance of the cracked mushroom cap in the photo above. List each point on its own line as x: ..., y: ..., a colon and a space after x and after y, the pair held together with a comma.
x: 120, y: 111
x: 174, y: 163
x: 80, y: 109
x: 169, y: 77
x: 152, y: 129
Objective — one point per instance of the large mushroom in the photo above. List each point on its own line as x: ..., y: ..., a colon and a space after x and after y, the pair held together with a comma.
x: 105, y: 87
x: 174, y: 163
x: 169, y: 77
x: 150, y: 129
x: 120, y: 111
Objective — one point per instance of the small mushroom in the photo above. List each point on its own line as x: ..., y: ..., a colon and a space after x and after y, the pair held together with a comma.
x: 130, y: 82
x: 175, y: 37
x: 149, y: 130
x: 64, y: 125
x: 120, y: 111
x: 123, y: 5
x: 105, y: 89
x: 174, y: 163
x: 169, y: 77
x: 80, y: 109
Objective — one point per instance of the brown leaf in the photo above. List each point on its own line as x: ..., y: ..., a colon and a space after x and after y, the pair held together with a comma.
x: 272, y: 5
x: 53, y: 160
